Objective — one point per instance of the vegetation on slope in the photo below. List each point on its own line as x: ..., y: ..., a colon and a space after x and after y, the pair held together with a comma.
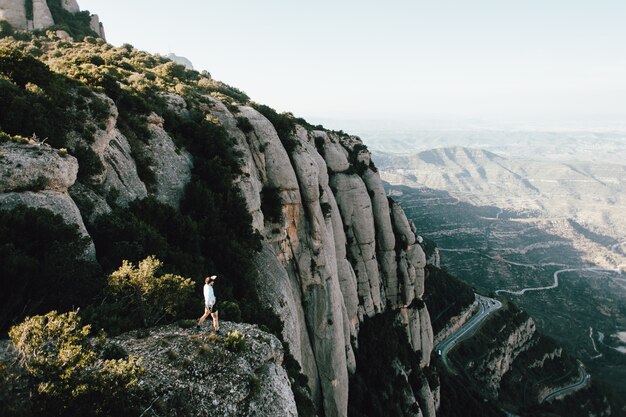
x: 445, y: 296
x: 55, y: 89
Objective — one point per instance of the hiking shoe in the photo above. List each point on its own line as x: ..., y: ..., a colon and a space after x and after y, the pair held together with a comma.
x: 218, y: 332
x: 197, y: 327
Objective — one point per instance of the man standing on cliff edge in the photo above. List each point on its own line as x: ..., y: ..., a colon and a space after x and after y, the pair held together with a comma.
x: 210, y: 305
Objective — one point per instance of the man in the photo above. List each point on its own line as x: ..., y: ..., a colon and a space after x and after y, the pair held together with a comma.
x: 210, y: 306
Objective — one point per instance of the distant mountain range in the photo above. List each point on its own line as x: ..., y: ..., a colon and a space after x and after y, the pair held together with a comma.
x: 592, y: 194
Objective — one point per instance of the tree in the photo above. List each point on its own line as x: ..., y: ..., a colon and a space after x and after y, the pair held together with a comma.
x: 152, y: 297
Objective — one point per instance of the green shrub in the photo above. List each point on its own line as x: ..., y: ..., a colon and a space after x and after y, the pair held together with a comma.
x: 151, y: 297
x: 271, y: 204
x: 70, y: 379
x: 244, y: 125
x: 113, y: 350
x: 284, y: 124
x: 229, y: 310
x: 28, y: 8
x: 42, y: 265
x: 235, y: 341
x: 78, y: 25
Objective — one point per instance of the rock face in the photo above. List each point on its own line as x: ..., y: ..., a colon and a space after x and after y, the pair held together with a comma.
x: 191, y: 374
x: 14, y: 12
x: 42, y: 18
x: 456, y: 322
x: 34, y: 167
x: 493, y: 366
x: 340, y: 251
x: 333, y: 258
x: 38, y: 176
x: 70, y: 5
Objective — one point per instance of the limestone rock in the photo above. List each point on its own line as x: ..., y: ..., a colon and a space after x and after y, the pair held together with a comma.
x: 250, y: 183
x: 205, y: 379
x: 97, y: 26
x: 355, y: 208
x: 278, y: 290
x: 34, y: 167
x: 70, y: 5
x: 121, y: 171
x: 175, y: 103
x: 42, y: 18
x: 456, y: 322
x: 499, y: 359
x: 93, y: 205
x: 171, y: 166
x: 425, y: 399
x: 56, y: 201
x: 334, y: 154
x: 14, y: 12
x: 385, y: 238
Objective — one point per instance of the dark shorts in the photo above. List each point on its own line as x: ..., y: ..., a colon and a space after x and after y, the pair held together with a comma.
x: 211, y: 309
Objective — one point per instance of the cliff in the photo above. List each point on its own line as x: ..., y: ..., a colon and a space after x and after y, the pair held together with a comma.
x: 37, y: 15
x: 188, y: 372
x: 334, y: 250
x: 521, y: 365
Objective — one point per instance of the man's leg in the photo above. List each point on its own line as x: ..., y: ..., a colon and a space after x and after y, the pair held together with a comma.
x: 204, y: 317
x: 216, y: 323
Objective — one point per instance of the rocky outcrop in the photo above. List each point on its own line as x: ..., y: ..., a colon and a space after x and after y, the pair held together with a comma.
x: 70, y: 5
x: 170, y: 165
x: 456, y: 322
x: 332, y: 258
x: 38, y: 176
x: 34, y: 167
x: 491, y: 368
x: 15, y: 13
x: 191, y: 374
x: 97, y: 26
x: 42, y: 18
x: 57, y: 202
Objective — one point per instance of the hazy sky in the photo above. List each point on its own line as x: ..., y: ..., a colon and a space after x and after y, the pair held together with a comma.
x: 399, y: 59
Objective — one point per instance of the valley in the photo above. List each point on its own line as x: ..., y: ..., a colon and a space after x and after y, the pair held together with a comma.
x: 499, y: 231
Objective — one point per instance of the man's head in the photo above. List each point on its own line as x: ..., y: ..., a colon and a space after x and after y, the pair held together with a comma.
x: 209, y: 280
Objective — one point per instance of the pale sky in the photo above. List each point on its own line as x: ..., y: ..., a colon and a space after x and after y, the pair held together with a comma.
x: 397, y: 59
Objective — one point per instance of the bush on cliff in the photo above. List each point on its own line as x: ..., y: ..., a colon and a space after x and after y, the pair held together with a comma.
x: 42, y: 265
x: 149, y: 296
x: 67, y: 375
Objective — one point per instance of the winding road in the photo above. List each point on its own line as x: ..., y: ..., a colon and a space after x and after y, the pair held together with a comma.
x: 583, y: 380
x: 555, y: 284
x: 486, y: 306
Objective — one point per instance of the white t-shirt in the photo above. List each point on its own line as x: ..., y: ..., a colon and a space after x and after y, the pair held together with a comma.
x: 209, y: 295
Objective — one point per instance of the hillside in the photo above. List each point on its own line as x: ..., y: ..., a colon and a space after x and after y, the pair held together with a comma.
x: 127, y: 178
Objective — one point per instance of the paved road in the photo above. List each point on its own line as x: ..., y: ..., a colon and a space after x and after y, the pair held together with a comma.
x: 583, y: 380
x: 486, y: 306
x: 555, y: 276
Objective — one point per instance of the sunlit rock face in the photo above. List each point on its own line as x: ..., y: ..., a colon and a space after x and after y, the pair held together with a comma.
x: 340, y: 251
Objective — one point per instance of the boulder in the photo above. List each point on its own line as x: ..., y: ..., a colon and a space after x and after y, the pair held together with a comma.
x: 121, y: 171
x: 57, y: 202
x: 70, y: 5
x: 42, y: 18
x: 14, y: 12
x: 31, y: 167
x: 170, y: 165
